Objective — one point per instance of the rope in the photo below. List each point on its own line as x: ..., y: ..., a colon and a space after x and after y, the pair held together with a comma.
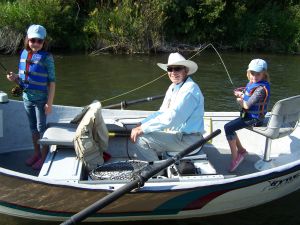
x: 150, y: 82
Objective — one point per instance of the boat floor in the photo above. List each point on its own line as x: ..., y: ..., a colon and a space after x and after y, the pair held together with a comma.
x: 16, y: 161
x: 219, y: 158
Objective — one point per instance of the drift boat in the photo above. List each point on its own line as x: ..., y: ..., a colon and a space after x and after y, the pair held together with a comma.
x: 64, y: 187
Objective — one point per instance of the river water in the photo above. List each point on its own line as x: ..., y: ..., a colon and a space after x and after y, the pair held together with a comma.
x: 82, y: 78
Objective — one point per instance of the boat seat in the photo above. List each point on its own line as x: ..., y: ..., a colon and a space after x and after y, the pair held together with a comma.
x: 64, y: 133
x: 281, y: 122
x: 59, y: 134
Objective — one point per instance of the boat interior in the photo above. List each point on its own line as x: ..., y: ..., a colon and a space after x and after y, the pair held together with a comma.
x: 276, y: 143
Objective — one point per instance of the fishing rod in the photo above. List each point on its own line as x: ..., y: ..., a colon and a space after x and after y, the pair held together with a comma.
x: 124, y: 104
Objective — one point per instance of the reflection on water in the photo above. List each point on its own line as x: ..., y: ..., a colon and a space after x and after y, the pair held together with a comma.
x: 82, y: 78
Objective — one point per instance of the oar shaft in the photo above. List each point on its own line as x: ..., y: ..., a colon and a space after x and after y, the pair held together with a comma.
x: 138, y: 182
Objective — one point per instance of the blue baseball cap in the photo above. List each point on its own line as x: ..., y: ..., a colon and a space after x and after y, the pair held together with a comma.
x: 36, y: 31
x: 257, y: 65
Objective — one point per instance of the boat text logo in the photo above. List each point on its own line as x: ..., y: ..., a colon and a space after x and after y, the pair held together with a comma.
x: 275, y: 184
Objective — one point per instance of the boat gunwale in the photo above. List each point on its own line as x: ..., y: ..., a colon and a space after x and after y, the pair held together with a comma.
x: 176, y: 185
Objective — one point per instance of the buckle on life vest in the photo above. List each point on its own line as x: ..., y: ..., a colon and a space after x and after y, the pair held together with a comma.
x: 29, y: 61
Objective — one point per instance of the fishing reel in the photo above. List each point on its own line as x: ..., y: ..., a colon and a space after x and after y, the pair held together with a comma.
x: 17, y: 91
x: 241, y: 89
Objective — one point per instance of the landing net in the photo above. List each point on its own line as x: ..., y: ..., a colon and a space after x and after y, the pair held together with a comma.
x: 121, y: 170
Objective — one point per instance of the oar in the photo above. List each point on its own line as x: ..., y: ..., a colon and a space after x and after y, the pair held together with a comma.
x: 136, y: 183
x: 124, y: 104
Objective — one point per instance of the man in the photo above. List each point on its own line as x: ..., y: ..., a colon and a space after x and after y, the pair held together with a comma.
x: 179, y: 121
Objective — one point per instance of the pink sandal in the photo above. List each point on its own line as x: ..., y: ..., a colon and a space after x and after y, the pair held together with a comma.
x: 243, y: 153
x: 38, y: 164
x: 32, y: 160
x: 239, y: 159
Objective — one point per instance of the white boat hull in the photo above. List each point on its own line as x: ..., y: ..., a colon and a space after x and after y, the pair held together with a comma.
x: 41, y: 198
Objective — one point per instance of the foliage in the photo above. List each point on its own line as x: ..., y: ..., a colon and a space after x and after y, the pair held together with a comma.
x: 59, y: 18
x: 151, y: 25
x: 127, y: 25
x: 194, y: 21
x: 272, y: 28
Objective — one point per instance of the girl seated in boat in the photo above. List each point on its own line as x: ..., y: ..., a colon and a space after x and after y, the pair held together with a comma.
x: 37, y: 80
x: 253, y: 100
x: 179, y: 121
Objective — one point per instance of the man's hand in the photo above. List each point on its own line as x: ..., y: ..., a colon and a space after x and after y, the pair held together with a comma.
x: 135, y: 132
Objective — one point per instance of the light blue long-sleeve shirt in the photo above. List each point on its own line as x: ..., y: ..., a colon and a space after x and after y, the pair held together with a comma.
x: 181, y: 111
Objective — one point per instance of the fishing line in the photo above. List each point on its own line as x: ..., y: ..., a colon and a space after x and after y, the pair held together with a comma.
x: 211, y: 45
x: 3, y: 67
x: 135, y: 89
x: 161, y: 76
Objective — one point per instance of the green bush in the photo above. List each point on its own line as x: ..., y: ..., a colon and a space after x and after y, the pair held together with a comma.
x: 146, y: 26
x: 194, y: 21
x: 274, y: 27
x: 59, y: 19
x: 129, y: 26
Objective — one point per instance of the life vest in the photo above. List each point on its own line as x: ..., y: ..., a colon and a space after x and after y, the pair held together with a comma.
x: 259, y: 109
x: 91, y: 137
x: 32, y: 71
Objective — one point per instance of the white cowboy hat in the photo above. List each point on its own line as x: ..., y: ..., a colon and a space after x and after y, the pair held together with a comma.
x: 175, y: 59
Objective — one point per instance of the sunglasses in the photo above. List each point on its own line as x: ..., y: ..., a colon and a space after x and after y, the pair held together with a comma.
x: 36, y: 40
x: 175, y: 69
x: 254, y: 73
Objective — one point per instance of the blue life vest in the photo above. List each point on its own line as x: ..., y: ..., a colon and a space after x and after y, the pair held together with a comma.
x: 259, y: 109
x: 36, y: 77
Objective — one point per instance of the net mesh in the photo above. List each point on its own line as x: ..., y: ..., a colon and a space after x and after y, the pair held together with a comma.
x: 121, y: 170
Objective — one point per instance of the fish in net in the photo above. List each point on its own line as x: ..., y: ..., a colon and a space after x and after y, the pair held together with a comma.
x: 121, y: 170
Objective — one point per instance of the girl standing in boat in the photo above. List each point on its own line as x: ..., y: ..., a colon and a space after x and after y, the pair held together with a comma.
x: 253, y: 100
x: 36, y: 78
